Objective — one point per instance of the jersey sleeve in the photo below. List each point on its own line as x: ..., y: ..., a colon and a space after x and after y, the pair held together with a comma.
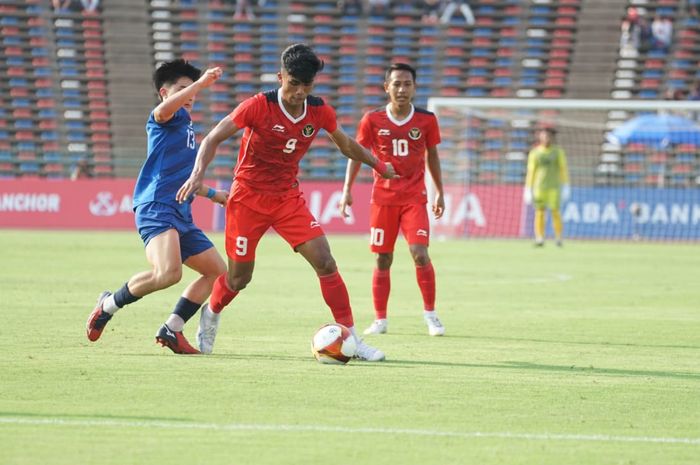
x: 364, y: 132
x: 245, y: 114
x: 177, y: 118
x: 433, y: 137
x: 329, y: 122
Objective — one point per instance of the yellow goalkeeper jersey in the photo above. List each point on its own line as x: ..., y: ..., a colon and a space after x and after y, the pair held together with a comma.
x: 546, y: 168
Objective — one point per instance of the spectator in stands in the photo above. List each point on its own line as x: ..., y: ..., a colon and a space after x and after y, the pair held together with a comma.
x: 662, y: 32
x: 379, y: 7
x: 350, y: 7
x: 694, y: 91
x: 547, y: 183
x: 452, y: 6
x: 61, y: 6
x: 630, y: 33
x: 244, y: 9
x: 693, y: 7
x: 431, y: 9
x: 90, y: 6
x: 645, y: 35
x: 81, y: 170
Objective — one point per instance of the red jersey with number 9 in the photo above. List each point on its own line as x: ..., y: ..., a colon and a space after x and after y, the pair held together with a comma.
x: 274, y: 142
x: 403, y: 143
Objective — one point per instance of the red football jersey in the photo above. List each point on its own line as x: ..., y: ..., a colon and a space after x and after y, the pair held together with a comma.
x: 404, y: 144
x: 274, y: 142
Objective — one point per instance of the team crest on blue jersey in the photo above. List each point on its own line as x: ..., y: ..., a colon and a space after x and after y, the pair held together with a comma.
x: 308, y: 130
x: 414, y: 133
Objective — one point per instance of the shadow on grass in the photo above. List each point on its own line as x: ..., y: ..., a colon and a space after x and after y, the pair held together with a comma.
x: 549, y: 341
x: 554, y: 368
x: 509, y: 365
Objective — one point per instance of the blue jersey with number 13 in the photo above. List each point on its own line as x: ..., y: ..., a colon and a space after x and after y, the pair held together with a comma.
x: 172, y: 149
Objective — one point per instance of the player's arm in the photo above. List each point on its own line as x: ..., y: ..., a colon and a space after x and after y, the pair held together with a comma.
x: 219, y: 196
x: 354, y: 151
x: 207, y: 150
x: 433, y: 162
x: 563, y: 168
x: 168, y: 107
x: 529, y: 177
x: 351, y: 172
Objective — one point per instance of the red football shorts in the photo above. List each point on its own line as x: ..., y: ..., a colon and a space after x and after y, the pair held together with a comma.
x: 386, y: 220
x: 249, y: 214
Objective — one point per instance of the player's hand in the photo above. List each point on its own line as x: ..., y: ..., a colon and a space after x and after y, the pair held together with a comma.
x: 210, y: 76
x: 439, y: 205
x: 565, y: 192
x: 221, y: 197
x: 345, y: 202
x: 390, y: 172
x: 191, y: 187
x: 527, y: 196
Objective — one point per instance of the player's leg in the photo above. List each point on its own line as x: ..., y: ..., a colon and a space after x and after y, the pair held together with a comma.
x: 295, y: 223
x: 554, y: 202
x: 199, y: 254
x: 539, y: 197
x: 539, y: 226
x: 384, y: 228
x: 318, y: 253
x: 244, y: 228
x: 415, y: 226
x: 163, y: 253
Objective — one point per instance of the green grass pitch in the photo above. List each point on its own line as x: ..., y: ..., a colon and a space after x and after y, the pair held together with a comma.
x: 588, y: 354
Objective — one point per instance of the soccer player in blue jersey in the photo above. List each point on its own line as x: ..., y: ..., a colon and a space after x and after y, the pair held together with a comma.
x: 165, y: 225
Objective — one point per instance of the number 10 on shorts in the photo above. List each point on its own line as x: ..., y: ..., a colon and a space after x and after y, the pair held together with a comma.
x: 376, y: 236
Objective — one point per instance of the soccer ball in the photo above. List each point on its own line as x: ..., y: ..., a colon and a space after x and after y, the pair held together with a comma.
x: 334, y: 344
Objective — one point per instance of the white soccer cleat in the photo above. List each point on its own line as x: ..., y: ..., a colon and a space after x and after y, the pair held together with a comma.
x: 368, y: 353
x: 377, y: 327
x: 208, y: 326
x: 435, y: 327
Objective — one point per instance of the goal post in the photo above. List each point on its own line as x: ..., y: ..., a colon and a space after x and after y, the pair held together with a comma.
x: 634, y: 166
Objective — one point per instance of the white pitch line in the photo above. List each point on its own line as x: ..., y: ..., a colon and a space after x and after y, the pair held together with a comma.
x: 340, y: 429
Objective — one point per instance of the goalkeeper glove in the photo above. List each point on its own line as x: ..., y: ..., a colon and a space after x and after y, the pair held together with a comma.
x: 565, y: 192
x: 527, y: 196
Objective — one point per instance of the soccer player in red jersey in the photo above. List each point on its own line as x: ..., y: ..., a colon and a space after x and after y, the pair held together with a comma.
x: 279, y: 128
x: 400, y: 134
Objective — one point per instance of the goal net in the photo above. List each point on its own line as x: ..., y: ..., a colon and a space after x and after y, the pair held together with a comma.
x: 634, y: 166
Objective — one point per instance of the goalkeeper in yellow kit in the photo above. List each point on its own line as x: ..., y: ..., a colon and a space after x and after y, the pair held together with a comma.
x: 547, y: 183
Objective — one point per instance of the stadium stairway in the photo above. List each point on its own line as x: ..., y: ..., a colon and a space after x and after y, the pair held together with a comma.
x: 129, y: 67
x: 596, y: 51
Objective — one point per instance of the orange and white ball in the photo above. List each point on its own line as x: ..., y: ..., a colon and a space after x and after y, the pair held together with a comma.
x: 333, y: 344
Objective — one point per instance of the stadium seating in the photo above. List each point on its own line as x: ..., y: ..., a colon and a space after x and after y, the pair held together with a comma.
x: 654, y: 74
x: 56, y: 81
x: 55, y: 100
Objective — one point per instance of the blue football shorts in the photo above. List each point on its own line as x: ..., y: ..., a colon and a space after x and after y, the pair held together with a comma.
x: 155, y: 218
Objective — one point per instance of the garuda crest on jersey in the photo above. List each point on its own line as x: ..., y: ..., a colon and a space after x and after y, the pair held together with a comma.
x: 308, y: 130
x: 414, y: 133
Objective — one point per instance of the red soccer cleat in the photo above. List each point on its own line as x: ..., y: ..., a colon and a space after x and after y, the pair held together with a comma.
x: 98, y: 319
x: 175, y: 341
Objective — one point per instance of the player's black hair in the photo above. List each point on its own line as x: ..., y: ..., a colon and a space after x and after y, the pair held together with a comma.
x: 300, y: 61
x: 551, y: 130
x: 399, y: 67
x: 170, y: 71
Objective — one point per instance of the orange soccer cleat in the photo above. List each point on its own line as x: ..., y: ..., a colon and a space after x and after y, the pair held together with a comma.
x: 175, y: 341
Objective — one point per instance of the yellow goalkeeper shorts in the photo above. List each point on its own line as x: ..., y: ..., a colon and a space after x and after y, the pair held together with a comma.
x: 547, y: 198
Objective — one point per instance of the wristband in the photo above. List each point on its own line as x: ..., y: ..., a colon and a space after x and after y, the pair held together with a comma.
x: 211, y: 193
x: 380, y: 167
